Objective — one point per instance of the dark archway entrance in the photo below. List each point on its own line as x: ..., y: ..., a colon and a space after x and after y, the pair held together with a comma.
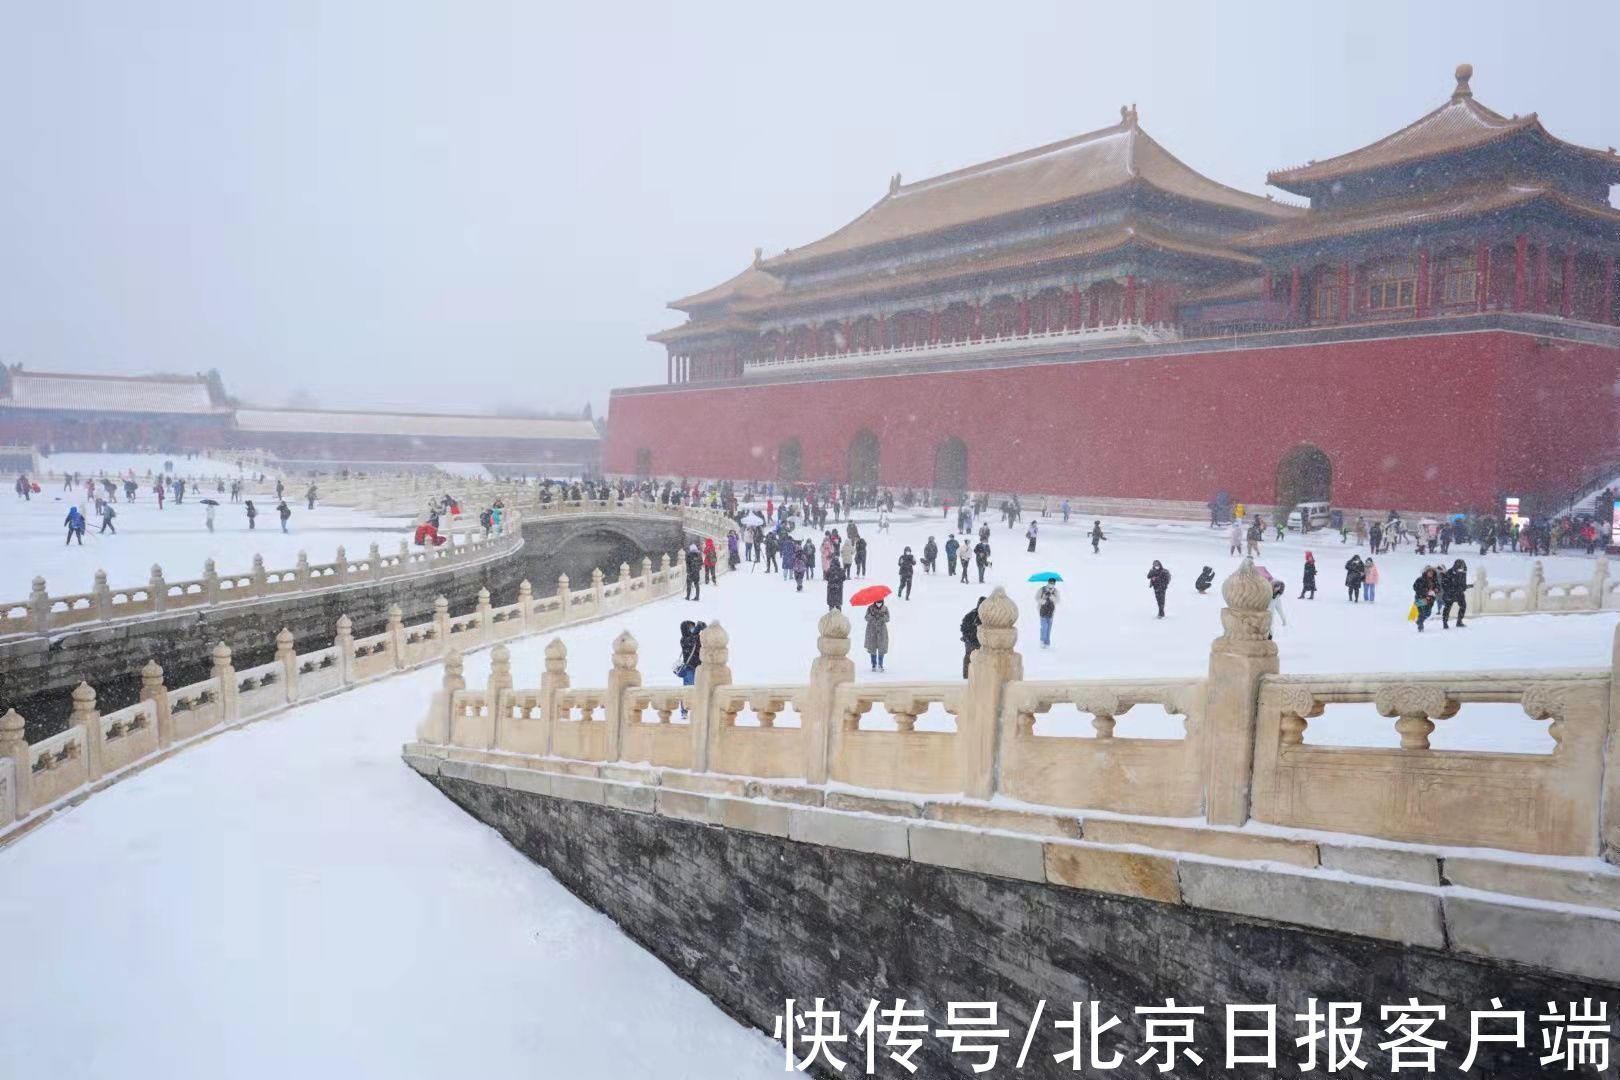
x: 864, y: 454
x: 1305, y: 474
x: 789, y: 462
x: 644, y: 463
x: 951, y: 466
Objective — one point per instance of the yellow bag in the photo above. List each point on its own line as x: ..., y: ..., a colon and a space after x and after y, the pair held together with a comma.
x: 1411, y: 616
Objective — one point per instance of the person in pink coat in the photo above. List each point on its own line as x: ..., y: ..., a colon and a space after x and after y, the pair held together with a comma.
x: 1369, y: 583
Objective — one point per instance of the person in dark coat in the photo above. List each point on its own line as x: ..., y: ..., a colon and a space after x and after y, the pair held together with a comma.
x: 981, y: 558
x: 1159, y: 581
x: 835, y: 585
x: 908, y: 565
x: 1454, y: 592
x: 1424, y: 590
x: 1355, y: 571
x: 107, y: 515
x: 970, y: 631
x: 930, y: 556
x: 1206, y: 578
x: 252, y: 513
x: 694, y: 573
x: 771, y: 547
x: 877, y: 633
x: 951, y: 548
x: 1308, y: 582
x: 860, y: 554
x: 691, y: 653
x: 284, y: 512
x: 1097, y: 537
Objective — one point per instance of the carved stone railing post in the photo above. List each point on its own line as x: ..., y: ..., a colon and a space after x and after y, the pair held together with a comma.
x: 597, y: 587
x: 831, y: 669
x: 157, y: 589
x: 1238, y: 659
x: 287, y: 657
x: 623, y: 677
x: 1479, y: 596
x: 261, y: 576
x: 525, y: 603
x: 663, y: 568
x: 39, y: 607
x: 485, y: 616
x: 340, y: 572
x: 88, y: 719
x: 210, y: 582
x: 226, y: 674
x: 435, y: 727
x: 995, y: 663
x: 374, y: 557
x: 153, y: 690
x: 1532, y: 591
x: 564, y: 610
x: 441, y: 621
x: 301, y: 571
x: 714, y: 647
x: 1600, y: 583
x: 343, y: 642
x: 404, y: 557
x: 646, y: 578
x: 552, y: 681
x: 103, y: 597
x: 396, y: 636
x: 624, y: 585
x: 497, y: 694
x: 14, y: 745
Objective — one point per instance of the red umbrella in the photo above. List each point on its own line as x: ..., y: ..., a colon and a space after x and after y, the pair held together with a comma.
x: 870, y: 595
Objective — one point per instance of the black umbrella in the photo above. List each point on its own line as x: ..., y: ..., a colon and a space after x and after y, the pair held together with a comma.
x: 209, y: 502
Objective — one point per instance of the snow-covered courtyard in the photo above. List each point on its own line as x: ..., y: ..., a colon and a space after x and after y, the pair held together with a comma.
x: 176, y: 537
x: 290, y: 899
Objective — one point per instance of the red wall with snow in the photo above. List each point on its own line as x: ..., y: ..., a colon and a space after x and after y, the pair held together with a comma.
x: 1437, y: 422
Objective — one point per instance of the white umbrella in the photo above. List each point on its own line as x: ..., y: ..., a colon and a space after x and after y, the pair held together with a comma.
x: 753, y: 517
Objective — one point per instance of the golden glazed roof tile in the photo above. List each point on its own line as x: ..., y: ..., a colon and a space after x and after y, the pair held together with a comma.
x: 1104, y: 160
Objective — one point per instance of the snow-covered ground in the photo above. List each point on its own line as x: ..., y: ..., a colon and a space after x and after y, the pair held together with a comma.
x: 145, y: 465
x: 1106, y: 625
x: 290, y: 900
x: 176, y: 538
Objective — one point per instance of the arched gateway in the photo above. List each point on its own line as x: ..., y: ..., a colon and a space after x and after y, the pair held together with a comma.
x: 951, y: 466
x: 864, y: 455
x: 1305, y: 474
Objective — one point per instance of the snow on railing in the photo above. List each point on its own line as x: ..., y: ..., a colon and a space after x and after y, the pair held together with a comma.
x: 1597, y: 593
x: 94, y: 746
x: 1102, y: 333
x: 1220, y: 750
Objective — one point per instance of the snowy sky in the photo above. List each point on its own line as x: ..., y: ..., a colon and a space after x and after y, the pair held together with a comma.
x: 462, y: 203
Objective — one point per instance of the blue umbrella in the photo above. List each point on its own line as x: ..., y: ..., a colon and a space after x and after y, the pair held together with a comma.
x: 1046, y: 575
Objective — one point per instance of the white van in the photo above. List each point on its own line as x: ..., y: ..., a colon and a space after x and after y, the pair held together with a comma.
x: 1308, y: 517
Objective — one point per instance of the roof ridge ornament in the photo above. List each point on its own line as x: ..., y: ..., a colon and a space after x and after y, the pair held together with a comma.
x: 1464, y: 73
x: 1127, y: 115
x: 759, y: 254
x: 894, y: 183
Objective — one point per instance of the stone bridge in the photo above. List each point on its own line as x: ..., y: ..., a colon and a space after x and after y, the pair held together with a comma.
x: 571, y: 539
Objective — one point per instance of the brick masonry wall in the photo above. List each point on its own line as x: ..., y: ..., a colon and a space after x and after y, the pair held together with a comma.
x: 1444, y: 421
x: 752, y: 920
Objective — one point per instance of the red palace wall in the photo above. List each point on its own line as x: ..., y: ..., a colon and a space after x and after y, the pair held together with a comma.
x: 1437, y: 422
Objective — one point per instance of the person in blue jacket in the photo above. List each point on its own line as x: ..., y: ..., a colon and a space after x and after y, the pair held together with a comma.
x: 75, y: 526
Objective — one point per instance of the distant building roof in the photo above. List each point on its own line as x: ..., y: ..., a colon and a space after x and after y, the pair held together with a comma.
x: 110, y: 393
x: 751, y: 284
x: 1103, y: 160
x: 1460, y: 124
x: 423, y: 425
x: 1441, y: 207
